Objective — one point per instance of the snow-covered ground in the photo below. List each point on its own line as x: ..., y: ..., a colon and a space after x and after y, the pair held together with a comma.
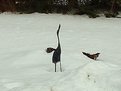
x: 25, y: 66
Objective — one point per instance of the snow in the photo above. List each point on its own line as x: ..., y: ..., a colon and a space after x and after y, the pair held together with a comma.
x: 25, y: 66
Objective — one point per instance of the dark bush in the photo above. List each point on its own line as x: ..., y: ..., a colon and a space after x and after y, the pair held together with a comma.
x: 109, y: 15
x: 89, y: 7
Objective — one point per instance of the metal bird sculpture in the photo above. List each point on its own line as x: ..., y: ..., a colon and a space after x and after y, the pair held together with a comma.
x: 57, y: 52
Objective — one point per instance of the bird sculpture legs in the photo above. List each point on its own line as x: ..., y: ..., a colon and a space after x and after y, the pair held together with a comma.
x: 60, y: 67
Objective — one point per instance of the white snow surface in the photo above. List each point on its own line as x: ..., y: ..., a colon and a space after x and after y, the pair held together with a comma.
x: 25, y: 66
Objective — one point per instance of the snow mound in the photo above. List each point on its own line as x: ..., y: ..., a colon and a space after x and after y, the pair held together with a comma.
x: 95, y: 76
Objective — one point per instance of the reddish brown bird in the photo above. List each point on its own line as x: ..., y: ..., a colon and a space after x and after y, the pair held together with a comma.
x: 92, y: 56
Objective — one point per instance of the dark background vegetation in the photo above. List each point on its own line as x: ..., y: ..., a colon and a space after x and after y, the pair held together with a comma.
x: 92, y: 8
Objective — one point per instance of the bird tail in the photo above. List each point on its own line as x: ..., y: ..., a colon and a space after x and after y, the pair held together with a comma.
x: 87, y: 54
x: 49, y: 50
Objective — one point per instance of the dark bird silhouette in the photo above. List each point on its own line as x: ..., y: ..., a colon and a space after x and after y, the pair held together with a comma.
x: 57, y: 52
x: 92, y: 56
